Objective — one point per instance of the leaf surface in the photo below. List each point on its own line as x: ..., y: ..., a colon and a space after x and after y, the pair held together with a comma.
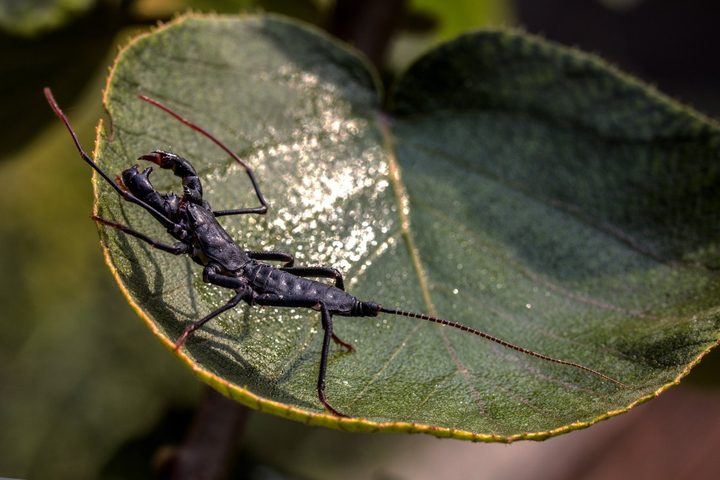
x: 516, y: 187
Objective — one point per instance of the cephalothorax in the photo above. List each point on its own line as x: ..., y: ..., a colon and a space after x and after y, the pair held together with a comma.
x: 192, y: 222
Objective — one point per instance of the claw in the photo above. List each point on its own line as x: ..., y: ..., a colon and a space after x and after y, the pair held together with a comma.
x: 160, y: 158
x: 181, y: 168
x: 170, y: 161
x: 138, y: 183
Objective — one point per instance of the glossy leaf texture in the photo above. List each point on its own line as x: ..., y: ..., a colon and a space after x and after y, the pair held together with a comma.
x: 517, y: 187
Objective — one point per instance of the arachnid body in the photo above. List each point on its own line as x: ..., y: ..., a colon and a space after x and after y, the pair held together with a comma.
x: 190, y: 220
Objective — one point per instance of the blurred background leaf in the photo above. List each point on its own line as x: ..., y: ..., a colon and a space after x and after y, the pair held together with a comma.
x: 24, y: 18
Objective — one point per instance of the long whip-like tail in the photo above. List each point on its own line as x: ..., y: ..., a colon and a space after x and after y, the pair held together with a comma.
x: 498, y: 341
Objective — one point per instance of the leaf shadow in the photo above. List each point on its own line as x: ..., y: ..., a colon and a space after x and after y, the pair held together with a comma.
x: 151, y: 297
x: 220, y: 352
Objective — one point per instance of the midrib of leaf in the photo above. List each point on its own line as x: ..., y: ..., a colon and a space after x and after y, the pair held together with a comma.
x: 401, y: 198
x: 603, y: 227
x: 403, y: 202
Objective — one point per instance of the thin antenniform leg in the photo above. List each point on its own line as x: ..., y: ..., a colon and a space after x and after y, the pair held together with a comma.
x: 126, y: 195
x: 498, y: 341
x: 176, y: 249
x: 259, y: 210
x: 322, y: 272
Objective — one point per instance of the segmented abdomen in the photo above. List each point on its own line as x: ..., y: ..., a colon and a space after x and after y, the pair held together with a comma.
x: 265, y: 278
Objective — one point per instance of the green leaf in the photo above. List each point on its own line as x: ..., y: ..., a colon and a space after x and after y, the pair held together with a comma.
x: 460, y: 15
x: 517, y: 187
x: 21, y: 17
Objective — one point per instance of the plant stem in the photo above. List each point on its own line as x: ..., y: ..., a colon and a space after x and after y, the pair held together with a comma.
x: 211, y: 444
x: 368, y: 25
